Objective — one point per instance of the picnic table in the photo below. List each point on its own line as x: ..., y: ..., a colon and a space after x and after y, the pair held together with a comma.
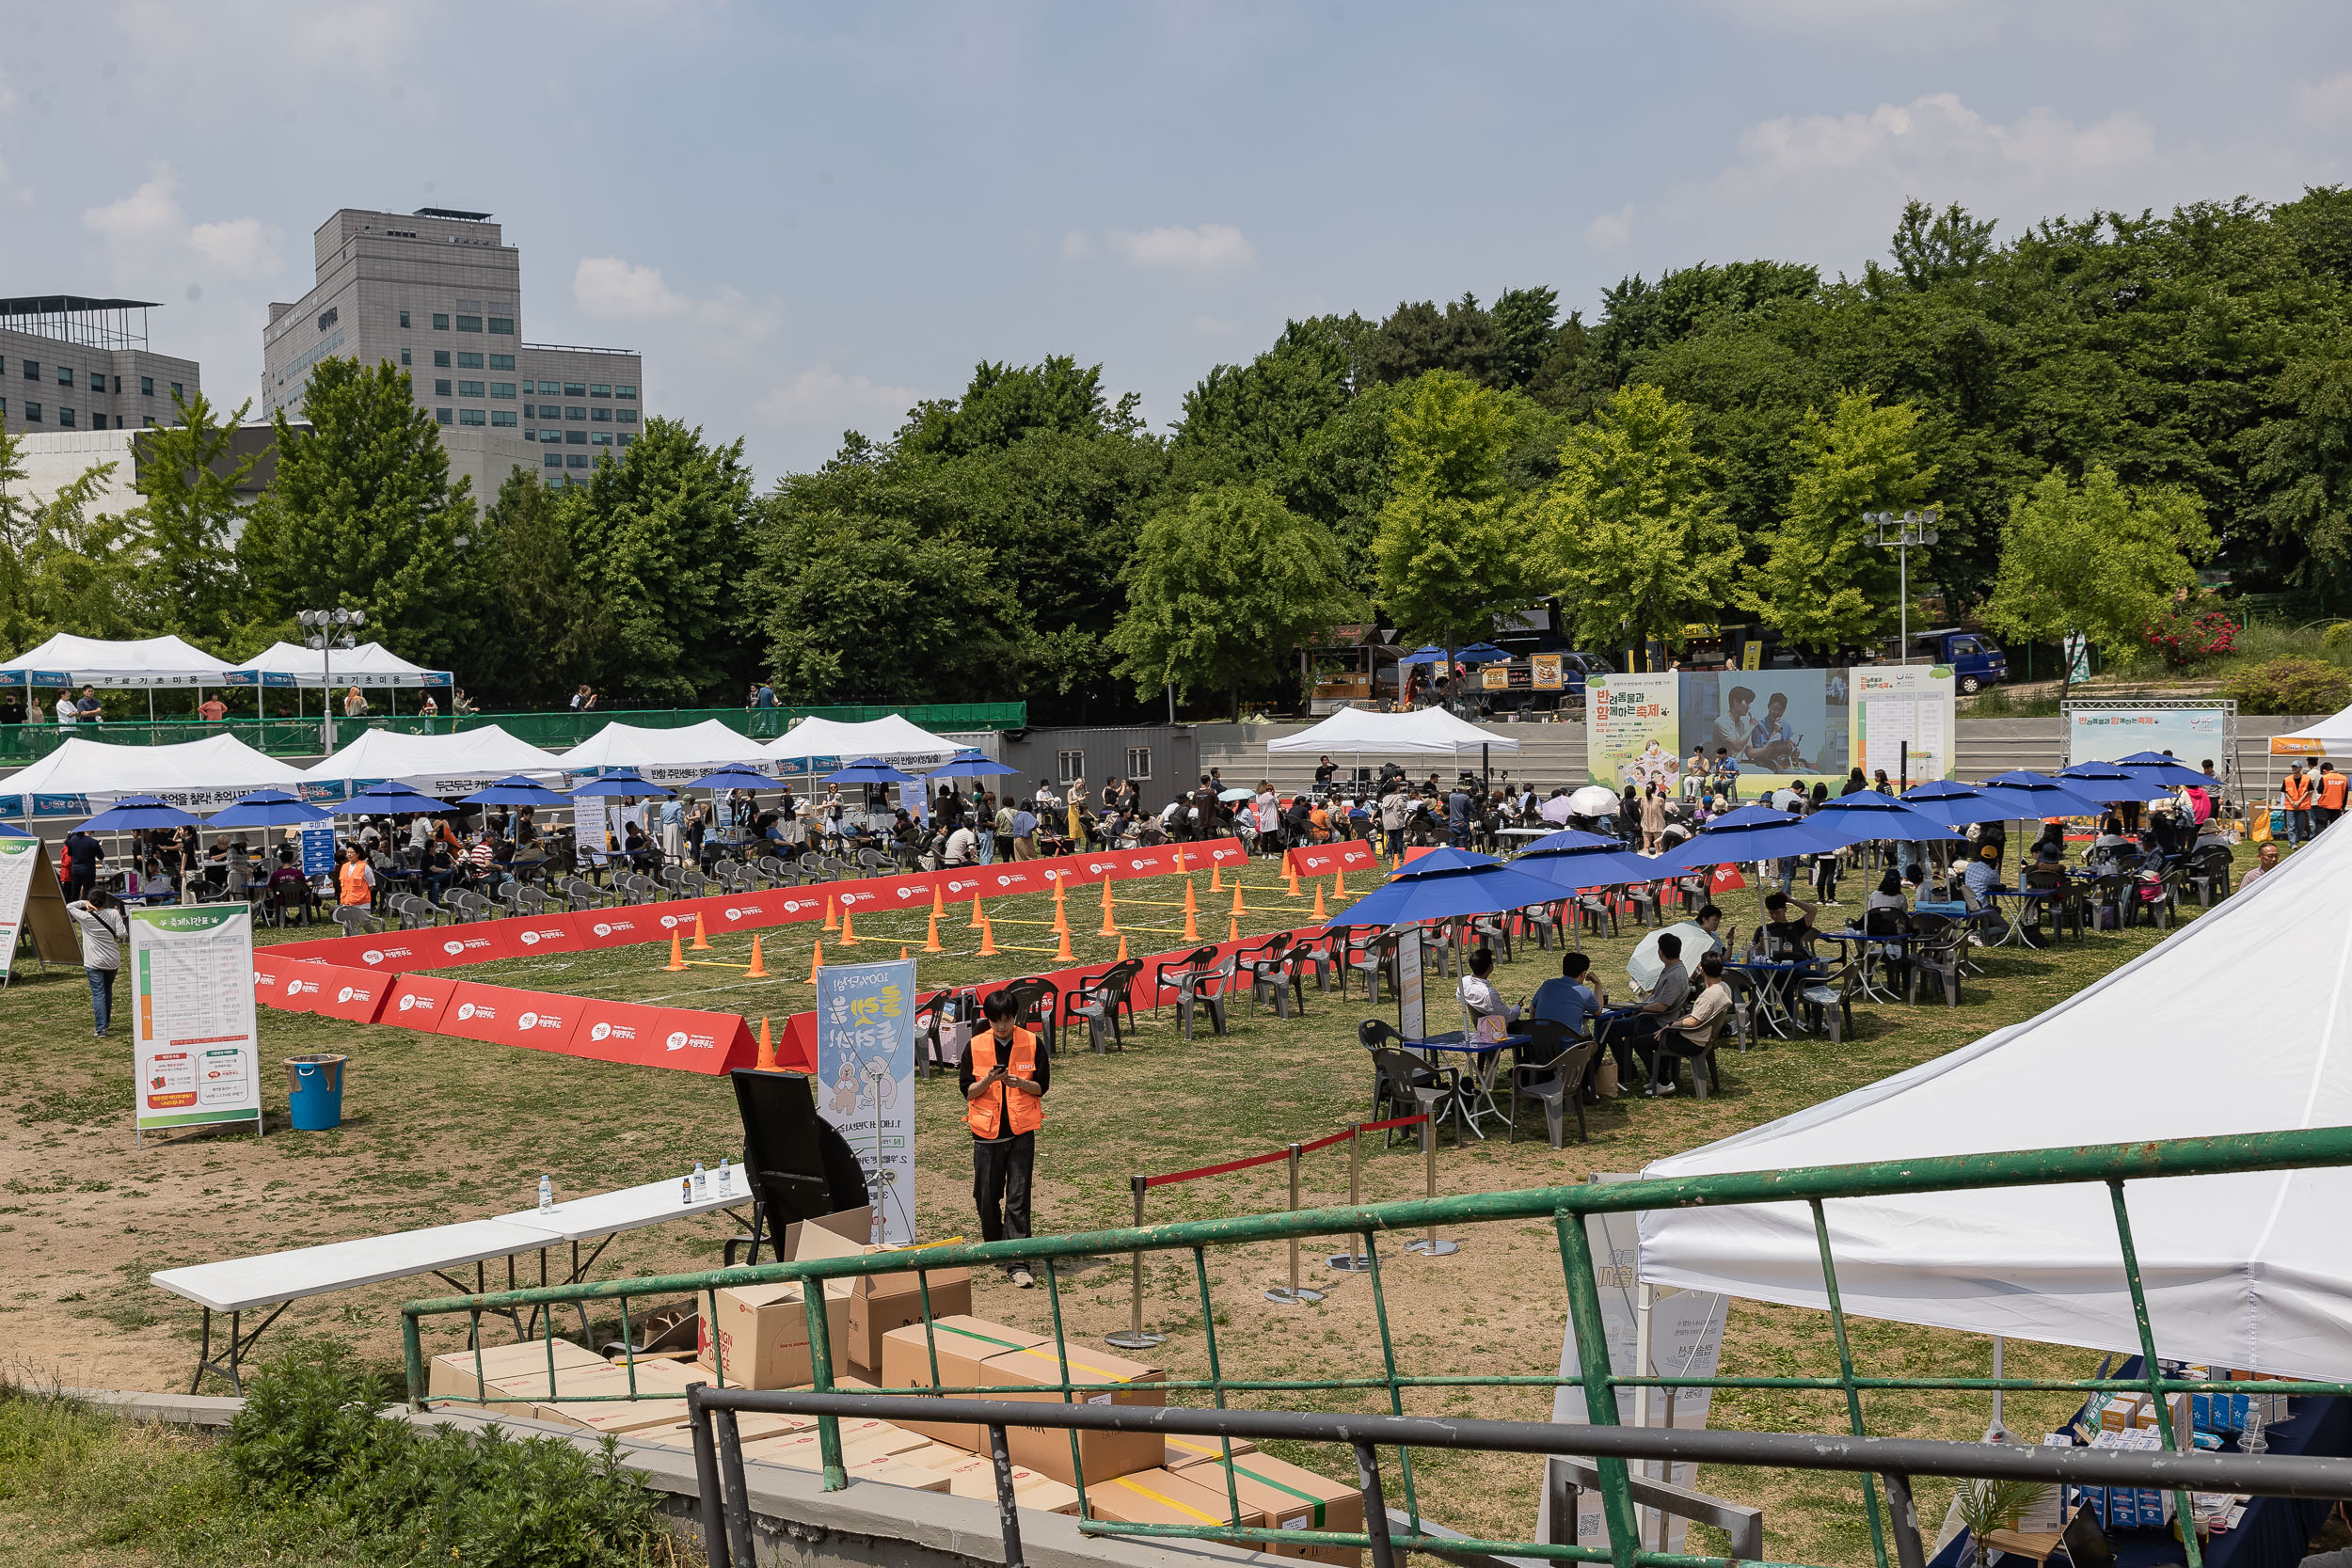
x: 275, y: 1280
x: 2020, y: 901
x: 1474, y: 1089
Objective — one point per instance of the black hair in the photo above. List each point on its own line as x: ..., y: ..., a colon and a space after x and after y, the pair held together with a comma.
x: 1000, y: 1006
x: 1482, y: 963
x: 1669, y: 945
x: 1712, y: 965
x: 1775, y: 900
x: 1706, y: 910
x: 1573, y: 965
x: 1891, y: 883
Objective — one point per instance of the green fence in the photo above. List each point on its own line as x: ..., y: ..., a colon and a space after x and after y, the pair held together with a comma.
x: 2111, y: 1164
x: 550, y: 732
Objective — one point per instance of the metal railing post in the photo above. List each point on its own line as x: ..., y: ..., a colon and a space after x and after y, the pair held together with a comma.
x: 1135, y: 1337
x: 1429, y: 1246
x: 735, y: 1505
x: 1376, y: 1506
x: 1600, y: 1394
x: 707, y: 1480
x: 821, y: 1371
x: 2150, y: 1367
x: 1293, y: 1294
x: 1352, y: 1261
x: 1007, y: 1511
x: 1845, y: 1375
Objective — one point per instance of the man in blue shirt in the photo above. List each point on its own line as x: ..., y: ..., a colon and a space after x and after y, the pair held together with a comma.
x: 1983, y: 876
x: 1025, y: 834
x: 1571, y: 1000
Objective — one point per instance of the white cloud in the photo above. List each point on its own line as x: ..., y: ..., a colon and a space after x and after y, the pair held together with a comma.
x: 148, y: 234
x: 246, y: 247
x: 822, y: 398
x: 150, y: 213
x: 1074, y: 245
x: 610, y: 288
x: 1937, y: 137
x: 1610, y: 230
x: 2326, y: 105
x: 1213, y: 250
x: 1214, y: 327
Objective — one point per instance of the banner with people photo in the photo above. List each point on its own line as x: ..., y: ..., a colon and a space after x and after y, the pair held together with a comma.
x: 1773, y: 727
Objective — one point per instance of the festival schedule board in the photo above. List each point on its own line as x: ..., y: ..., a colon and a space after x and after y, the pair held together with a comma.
x: 865, y: 1081
x: 1908, y: 726
x: 197, y: 1053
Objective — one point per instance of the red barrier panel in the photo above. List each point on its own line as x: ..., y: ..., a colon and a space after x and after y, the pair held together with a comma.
x: 285, y: 983
x: 554, y: 931
x: 502, y: 1015
x: 679, y: 1037
x: 1321, y: 860
x: 631, y: 923
x: 392, y: 951
x: 353, y: 995
x: 418, y: 1002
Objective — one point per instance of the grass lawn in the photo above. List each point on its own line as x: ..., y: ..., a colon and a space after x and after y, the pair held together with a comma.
x: 442, y: 1129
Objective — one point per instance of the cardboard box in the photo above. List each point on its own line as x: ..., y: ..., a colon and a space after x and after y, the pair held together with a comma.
x: 451, y: 1376
x: 973, y: 1475
x: 879, y: 1302
x: 1291, y: 1498
x: 750, y: 1427
x: 1158, y: 1496
x: 762, y: 1334
x: 1184, y: 1451
x: 600, y: 1400
x: 1102, y: 1454
x: 860, y: 1441
x: 964, y: 1345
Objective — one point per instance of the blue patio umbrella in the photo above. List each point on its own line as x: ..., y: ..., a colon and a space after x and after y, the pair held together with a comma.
x: 732, y: 776
x: 134, y: 812
x: 10, y: 831
x: 2112, y: 786
x: 393, y: 798
x: 515, y: 790
x: 268, y: 808
x: 972, y: 765
x: 1575, y: 859
x: 871, y: 770
x: 1465, y: 884
x: 2040, y: 795
x: 1750, y: 834
x: 622, y: 781
x: 1953, y: 804
x: 2159, y: 768
x: 1866, y: 815
x: 1480, y: 653
x: 1423, y: 655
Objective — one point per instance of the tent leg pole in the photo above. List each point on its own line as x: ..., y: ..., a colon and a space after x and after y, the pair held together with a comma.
x: 1998, y: 1348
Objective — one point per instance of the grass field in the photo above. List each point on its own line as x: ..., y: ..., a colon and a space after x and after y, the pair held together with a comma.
x: 441, y: 1129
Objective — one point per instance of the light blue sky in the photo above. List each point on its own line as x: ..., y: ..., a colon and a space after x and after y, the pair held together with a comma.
x: 806, y: 217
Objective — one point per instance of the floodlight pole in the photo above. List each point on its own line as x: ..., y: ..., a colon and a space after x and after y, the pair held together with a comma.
x: 327, y: 622
x: 1900, y: 533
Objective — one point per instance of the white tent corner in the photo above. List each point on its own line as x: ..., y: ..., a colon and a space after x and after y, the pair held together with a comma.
x: 1422, y: 732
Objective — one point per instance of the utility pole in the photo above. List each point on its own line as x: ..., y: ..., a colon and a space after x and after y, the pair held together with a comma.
x: 1903, y: 532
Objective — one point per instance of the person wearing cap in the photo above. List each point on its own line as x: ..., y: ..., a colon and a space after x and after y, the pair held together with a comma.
x: 1983, y: 876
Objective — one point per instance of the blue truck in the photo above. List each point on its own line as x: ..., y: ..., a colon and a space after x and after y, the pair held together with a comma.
x: 1977, y: 661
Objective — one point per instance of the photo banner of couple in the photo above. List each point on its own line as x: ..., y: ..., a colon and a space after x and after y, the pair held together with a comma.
x: 1777, y: 727
x: 865, y: 1081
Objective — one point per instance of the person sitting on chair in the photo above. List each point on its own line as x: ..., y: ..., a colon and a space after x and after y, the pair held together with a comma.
x: 1571, y: 1000
x: 1694, y: 1028
x: 1883, y: 909
x: 1626, y: 1027
x: 1983, y: 876
x: 1478, y: 996
x: 1783, y: 939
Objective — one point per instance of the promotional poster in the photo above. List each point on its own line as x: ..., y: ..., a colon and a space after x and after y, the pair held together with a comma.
x: 865, y: 1081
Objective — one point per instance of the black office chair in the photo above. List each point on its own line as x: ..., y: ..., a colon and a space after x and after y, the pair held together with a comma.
x: 798, y: 1167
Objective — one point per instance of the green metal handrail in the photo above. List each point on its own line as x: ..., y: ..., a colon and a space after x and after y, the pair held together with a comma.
x: 2112, y: 1164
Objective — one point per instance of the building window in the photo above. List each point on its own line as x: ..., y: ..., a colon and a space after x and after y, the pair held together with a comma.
x: 624, y: 392
x: 469, y: 389
x: 548, y: 388
x: 147, y: 385
x: 32, y: 413
x: 501, y: 389
x: 440, y: 358
x: 32, y: 370
x: 575, y: 438
x: 470, y: 324
x: 550, y: 437
x: 627, y: 438
x: 501, y: 361
x: 65, y: 375
x: 441, y: 323
x: 441, y: 389
x: 444, y: 415
x: 1139, y: 762
x: 599, y: 391
x: 329, y: 316
x: 403, y: 319
x: 404, y: 356
x: 470, y: 416
x: 502, y: 415
x: 65, y: 417
x: 97, y: 381
x: 576, y: 460
x: 602, y: 416
x: 147, y: 420
x: 627, y: 416
x: 553, y: 460
x: 571, y: 412
x: 1073, y: 764
x: 175, y: 388
x: 117, y: 388
x: 502, y: 326
x: 602, y: 439
x: 575, y: 389
x: 530, y: 410
x: 469, y: 362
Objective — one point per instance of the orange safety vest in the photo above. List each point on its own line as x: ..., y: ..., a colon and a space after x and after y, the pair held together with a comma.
x: 2298, y: 788
x: 354, y: 878
x: 985, y: 1115
x: 2331, y: 791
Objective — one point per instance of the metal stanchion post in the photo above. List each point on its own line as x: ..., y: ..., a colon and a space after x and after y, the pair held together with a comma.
x: 1294, y: 1295
x: 1430, y: 1246
x: 1352, y: 1261
x: 1136, y: 1336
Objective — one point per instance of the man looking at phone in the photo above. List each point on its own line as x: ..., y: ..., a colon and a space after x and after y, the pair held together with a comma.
x: 1004, y: 1076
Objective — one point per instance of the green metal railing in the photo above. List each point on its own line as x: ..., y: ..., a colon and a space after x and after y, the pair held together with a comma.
x: 553, y: 732
x: 1566, y: 1208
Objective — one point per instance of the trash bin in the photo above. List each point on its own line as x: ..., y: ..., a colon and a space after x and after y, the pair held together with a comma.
x: 314, y: 1092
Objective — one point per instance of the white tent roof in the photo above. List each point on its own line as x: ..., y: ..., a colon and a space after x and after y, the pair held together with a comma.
x: 663, y: 756
x: 1424, y: 732
x: 2240, y: 1022
x: 2330, y: 735
x: 146, y: 661
x: 892, y: 739
x: 194, y: 774
x: 369, y: 664
x: 435, y: 764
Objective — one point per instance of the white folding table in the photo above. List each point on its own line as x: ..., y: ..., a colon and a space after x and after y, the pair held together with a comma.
x: 237, y: 1286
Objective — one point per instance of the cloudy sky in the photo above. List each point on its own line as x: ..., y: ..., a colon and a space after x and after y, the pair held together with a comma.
x: 806, y: 217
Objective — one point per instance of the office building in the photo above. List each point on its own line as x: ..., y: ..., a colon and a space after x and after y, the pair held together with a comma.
x: 76, y: 363
x: 438, y: 293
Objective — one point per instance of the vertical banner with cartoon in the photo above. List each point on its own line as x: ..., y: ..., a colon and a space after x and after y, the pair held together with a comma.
x: 865, y: 1081
x: 1630, y: 730
x: 194, y: 1040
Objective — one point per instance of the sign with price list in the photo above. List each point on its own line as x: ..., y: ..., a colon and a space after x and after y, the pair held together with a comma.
x: 195, y: 1051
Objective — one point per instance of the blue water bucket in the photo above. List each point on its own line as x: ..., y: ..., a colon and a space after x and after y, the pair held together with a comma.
x: 314, y: 1092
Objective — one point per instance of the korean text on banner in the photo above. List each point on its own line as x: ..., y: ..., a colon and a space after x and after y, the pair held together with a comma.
x: 196, y: 1051
x: 1906, y: 728
x: 1630, y: 730
x: 865, y: 1081
x: 19, y: 858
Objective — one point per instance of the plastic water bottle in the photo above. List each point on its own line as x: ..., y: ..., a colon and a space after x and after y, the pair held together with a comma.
x: 547, y: 1195
x: 727, y: 1177
x: 702, y: 1182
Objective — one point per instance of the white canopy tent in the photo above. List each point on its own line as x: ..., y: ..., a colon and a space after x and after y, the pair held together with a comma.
x: 144, y: 663
x: 196, y: 775
x: 369, y: 664
x: 664, y: 756
x: 438, y: 765
x: 1424, y: 732
x: 2330, y: 737
x: 2240, y: 1271
x: 892, y: 739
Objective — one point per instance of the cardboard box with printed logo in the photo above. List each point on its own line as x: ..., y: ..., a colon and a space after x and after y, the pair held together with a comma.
x: 879, y: 1302
x: 964, y: 1345
x: 760, y: 1331
x: 451, y: 1376
x: 1291, y: 1498
x: 1163, y: 1497
x: 1102, y: 1378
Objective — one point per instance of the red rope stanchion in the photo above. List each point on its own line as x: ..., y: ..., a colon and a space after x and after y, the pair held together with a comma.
x: 1135, y: 1336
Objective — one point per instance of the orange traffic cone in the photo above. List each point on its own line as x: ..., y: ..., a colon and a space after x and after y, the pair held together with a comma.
x: 816, y: 963
x: 980, y: 916
x: 678, y: 957
x: 988, y: 941
x: 903, y: 952
x: 1239, y: 907
x: 1232, y: 928
x: 702, y: 943
x: 1110, y: 925
x: 930, y: 943
x: 1122, y: 947
x: 1217, y: 875
x: 759, y: 965
x: 831, y: 924
x: 1339, y: 883
x: 767, y: 1062
x: 1058, y: 893
x: 1061, y: 919
x: 848, y: 936
x: 1192, y: 931
x: 1319, y: 913
x: 1181, y: 867
x: 939, y: 900
x: 1063, y: 951
x: 1190, y: 904
x: 1292, y: 872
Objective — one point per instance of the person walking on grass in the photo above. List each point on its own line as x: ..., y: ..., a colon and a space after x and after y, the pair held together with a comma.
x: 104, y: 931
x: 1004, y: 1077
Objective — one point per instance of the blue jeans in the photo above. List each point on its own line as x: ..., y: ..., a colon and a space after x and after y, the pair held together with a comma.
x: 102, y: 997
x: 2299, y: 827
x: 988, y: 847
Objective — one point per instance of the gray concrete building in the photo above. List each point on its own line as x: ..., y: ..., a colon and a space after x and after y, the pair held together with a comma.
x: 438, y: 292
x: 69, y: 362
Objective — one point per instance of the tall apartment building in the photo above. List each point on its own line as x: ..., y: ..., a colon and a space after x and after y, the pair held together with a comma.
x: 439, y: 292
x: 70, y: 362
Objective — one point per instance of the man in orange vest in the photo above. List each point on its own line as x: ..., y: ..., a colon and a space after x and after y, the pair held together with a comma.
x: 2331, y: 789
x: 2299, y: 798
x: 1004, y: 1077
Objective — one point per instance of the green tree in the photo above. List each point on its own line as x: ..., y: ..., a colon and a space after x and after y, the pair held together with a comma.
x: 62, y: 567
x: 361, y: 515
x: 2105, y: 559
x: 1242, y: 420
x: 1526, y: 332
x: 187, y: 521
x: 548, y: 628
x: 1823, y: 582
x: 1629, y: 536
x: 2301, y: 466
x: 1448, y: 552
x: 1222, y: 584
x: 1419, y: 338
